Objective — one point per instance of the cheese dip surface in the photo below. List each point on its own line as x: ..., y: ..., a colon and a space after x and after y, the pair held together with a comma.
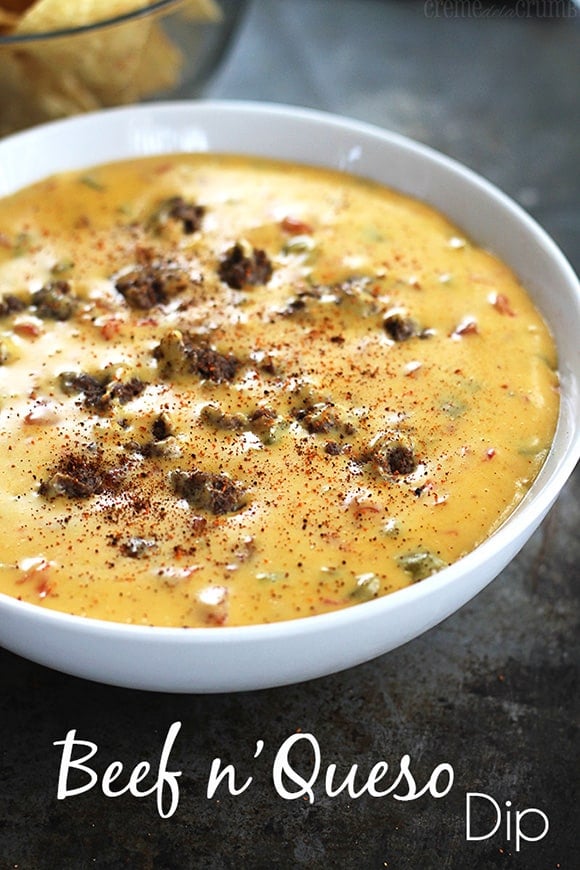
x: 238, y: 391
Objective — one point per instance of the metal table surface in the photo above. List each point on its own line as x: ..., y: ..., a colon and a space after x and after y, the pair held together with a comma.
x: 493, y: 691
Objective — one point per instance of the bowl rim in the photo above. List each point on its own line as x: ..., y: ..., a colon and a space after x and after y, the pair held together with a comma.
x: 528, y: 513
x: 143, y: 11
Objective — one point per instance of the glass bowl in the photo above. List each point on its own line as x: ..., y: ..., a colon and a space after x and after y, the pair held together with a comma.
x: 160, y: 50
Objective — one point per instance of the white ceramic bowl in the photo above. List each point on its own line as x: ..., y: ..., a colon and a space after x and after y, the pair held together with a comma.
x: 229, y: 659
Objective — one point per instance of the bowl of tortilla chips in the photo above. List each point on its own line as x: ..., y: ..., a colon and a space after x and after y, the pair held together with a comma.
x: 65, y: 57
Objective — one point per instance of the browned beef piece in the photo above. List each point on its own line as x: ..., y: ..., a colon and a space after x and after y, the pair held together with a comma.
x: 161, y: 428
x: 214, y: 366
x: 125, y: 392
x: 239, y: 268
x: 399, y: 328
x: 181, y: 354
x: 188, y: 213
x: 215, y: 417
x: 79, y: 476
x: 152, y: 284
x: 262, y: 420
x: 92, y: 387
x: 55, y: 301
x: 98, y: 391
x: 391, y: 456
x: 216, y: 493
x: 322, y: 417
x: 10, y: 304
x: 401, y: 459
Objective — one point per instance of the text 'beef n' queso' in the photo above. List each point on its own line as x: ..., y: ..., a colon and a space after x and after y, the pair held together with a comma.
x: 238, y: 391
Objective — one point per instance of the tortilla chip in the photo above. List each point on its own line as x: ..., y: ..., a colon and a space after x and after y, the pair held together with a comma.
x: 7, y: 21
x: 47, y: 15
x: 201, y: 10
x: 108, y: 66
x: 16, y: 7
x: 65, y: 76
x: 160, y: 65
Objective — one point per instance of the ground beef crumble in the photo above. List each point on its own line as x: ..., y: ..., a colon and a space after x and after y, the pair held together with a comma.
x: 154, y: 280
x: 55, y: 301
x: 214, y: 366
x: 126, y: 391
x: 10, y: 304
x: 216, y: 493
x: 239, y: 268
x: 391, y: 456
x: 182, y: 353
x: 176, y: 210
x: 262, y: 420
x: 147, y: 286
x: 80, y: 476
x: 401, y: 460
x: 99, y: 390
x: 161, y: 427
x: 399, y: 328
x: 188, y: 213
x: 322, y: 417
x: 213, y: 416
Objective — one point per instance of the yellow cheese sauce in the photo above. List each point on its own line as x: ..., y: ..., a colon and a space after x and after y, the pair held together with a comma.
x: 237, y: 391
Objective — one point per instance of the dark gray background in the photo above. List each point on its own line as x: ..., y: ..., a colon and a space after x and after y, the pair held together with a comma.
x: 494, y: 690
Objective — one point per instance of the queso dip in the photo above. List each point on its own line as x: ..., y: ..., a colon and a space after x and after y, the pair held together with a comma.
x: 237, y: 391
